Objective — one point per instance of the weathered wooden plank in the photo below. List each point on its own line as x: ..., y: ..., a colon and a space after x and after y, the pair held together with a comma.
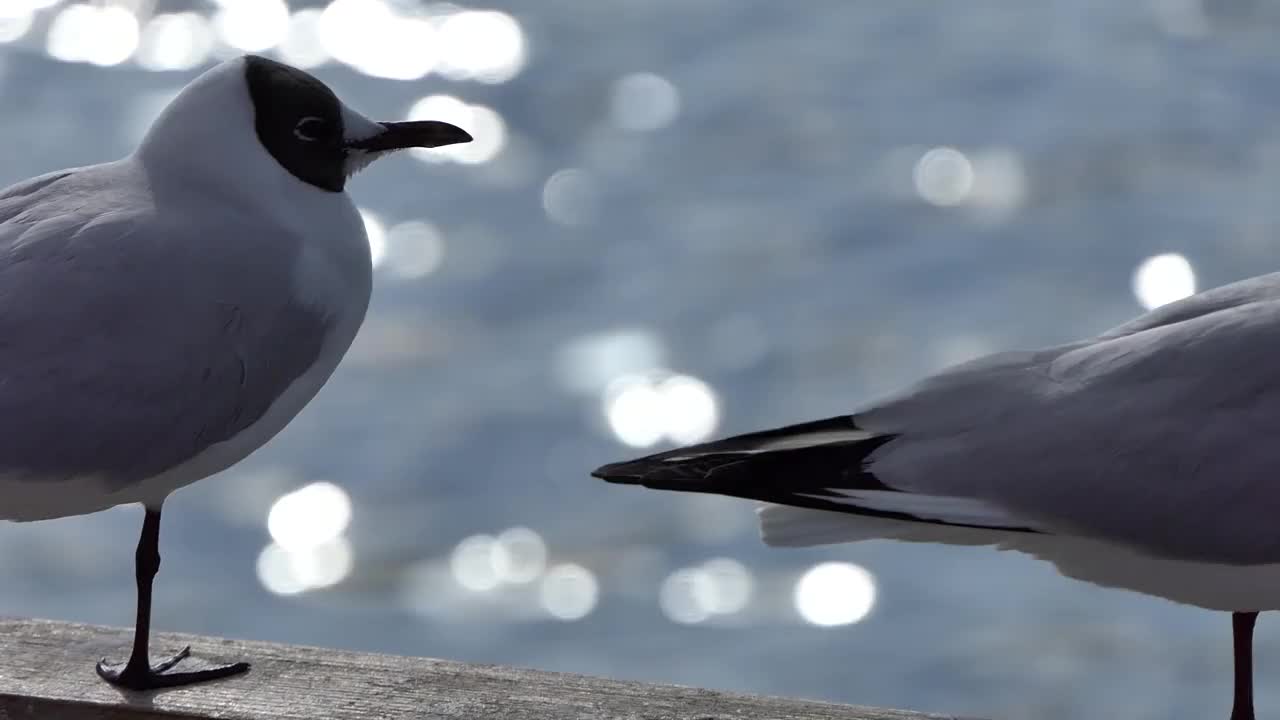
x: 46, y: 673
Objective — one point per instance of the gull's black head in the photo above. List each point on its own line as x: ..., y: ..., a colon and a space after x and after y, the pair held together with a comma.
x: 320, y: 141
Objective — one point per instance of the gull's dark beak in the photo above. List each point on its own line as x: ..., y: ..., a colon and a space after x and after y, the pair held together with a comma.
x: 418, y: 133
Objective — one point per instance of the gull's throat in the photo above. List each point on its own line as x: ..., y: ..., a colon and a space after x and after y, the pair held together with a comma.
x: 358, y: 160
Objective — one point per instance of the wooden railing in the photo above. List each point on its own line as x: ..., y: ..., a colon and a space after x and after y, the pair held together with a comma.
x: 46, y: 673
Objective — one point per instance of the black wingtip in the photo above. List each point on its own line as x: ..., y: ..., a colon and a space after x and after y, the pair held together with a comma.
x: 623, y: 473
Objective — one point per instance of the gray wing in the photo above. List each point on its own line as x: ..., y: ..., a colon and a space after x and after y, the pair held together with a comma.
x: 127, y: 348
x: 1162, y: 437
x: 1159, y: 435
x: 15, y: 198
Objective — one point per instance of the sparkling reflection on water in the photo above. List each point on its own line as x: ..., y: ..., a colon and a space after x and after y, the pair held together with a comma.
x: 678, y: 221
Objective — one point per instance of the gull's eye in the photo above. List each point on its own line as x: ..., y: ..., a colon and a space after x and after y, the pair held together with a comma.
x: 310, y: 129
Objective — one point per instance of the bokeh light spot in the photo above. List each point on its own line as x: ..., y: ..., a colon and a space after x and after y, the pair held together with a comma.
x: 309, y: 517
x: 943, y: 176
x: 275, y: 571
x: 413, y: 249
x: 690, y: 410
x: 587, y: 364
x: 644, y: 101
x: 252, y: 25
x: 473, y: 563
x: 999, y: 182
x: 323, y: 565
x: 370, y: 36
x: 834, y: 593
x: 720, y: 586
x: 634, y: 411
x: 569, y: 592
x: 641, y: 411
x: 103, y: 36
x: 175, y: 41
x: 681, y: 597
x: 15, y: 21
x: 1162, y: 279
x: 483, y: 45
x: 301, y: 46
x: 569, y: 197
x: 728, y: 586
x: 289, y: 572
x: 488, y: 130
x: 520, y: 555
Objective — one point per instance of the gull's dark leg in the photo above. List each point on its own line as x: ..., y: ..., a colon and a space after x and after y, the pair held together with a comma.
x: 1242, y: 631
x: 138, y: 673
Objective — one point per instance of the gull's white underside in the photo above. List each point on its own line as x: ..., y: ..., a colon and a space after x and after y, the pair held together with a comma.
x: 26, y: 500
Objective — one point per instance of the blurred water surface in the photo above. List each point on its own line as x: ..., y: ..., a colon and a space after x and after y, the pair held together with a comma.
x: 684, y: 219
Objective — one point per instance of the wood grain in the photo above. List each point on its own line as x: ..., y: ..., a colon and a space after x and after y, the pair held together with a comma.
x: 46, y: 673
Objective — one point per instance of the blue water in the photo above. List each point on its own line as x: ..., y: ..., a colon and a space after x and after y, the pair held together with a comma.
x: 770, y: 242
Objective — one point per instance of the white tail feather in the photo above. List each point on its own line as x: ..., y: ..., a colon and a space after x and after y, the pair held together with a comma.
x: 786, y: 526
x: 1209, y: 585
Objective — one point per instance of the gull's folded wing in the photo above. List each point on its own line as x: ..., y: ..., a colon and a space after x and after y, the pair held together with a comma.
x: 127, y: 347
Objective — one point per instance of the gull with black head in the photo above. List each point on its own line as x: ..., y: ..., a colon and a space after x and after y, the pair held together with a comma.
x: 166, y: 314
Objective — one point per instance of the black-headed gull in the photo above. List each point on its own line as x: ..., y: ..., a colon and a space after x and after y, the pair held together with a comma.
x: 165, y: 315
x: 1145, y: 458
